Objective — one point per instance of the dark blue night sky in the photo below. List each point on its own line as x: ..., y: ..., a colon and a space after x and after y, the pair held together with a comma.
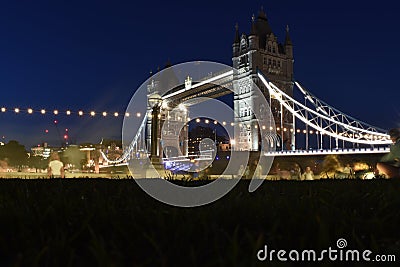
x: 92, y: 55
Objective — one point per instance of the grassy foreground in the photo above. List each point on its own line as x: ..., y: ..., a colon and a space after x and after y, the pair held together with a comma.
x: 103, y: 222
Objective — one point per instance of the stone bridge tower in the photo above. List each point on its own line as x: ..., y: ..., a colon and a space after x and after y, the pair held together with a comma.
x: 260, y: 50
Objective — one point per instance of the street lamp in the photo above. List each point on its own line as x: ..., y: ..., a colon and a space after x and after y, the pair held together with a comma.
x: 155, y: 102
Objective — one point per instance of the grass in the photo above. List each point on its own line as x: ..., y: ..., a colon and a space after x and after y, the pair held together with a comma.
x: 104, y: 222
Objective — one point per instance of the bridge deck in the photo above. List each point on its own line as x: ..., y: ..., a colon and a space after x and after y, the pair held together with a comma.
x: 329, y: 151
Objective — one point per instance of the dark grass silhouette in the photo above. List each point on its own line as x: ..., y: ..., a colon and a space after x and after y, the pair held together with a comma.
x: 101, y: 222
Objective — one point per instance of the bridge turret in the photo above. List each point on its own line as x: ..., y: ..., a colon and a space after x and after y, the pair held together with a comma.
x: 253, y: 38
x: 289, y: 54
x: 236, y: 42
x: 262, y: 28
x: 288, y: 43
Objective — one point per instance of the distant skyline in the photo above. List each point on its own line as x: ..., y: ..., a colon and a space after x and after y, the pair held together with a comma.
x: 92, y: 55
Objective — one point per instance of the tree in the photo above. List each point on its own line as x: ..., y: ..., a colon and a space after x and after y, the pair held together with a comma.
x: 38, y: 163
x: 14, y: 153
x: 74, y: 156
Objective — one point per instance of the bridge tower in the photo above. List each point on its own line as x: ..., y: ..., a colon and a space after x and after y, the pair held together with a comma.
x: 171, y: 127
x: 260, y: 50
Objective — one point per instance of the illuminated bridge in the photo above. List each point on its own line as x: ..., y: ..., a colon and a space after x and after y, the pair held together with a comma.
x: 332, y: 131
x: 267, y: 117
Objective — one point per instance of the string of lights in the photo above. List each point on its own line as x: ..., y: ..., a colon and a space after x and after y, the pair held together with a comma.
x: 56, y: 112
x: 92, y: 113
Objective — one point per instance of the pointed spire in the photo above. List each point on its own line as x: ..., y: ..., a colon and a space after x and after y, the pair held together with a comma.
x: 253, y: 25
x: 237, y: 38
x: 168, y: 64
x: 261, y: 14
x: 151, y: 76
x: 288, y: 40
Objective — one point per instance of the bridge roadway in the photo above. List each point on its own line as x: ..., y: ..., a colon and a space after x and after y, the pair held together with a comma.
x: 336, y: 151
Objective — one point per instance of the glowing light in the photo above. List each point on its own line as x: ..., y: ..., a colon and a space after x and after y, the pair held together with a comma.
x: 127, y: 114
x: 311, y: 132
x: 224, y: 123
x: 46, y: 131
x: 232, y: 124
x: 92, y: 113
x: 271, y: 128
x: 104, y: 113
x: 360, y: 166
x: 55, y: 112
x: 291, y: 130
x: 215, y: 122
x: 284, y: 129
x: 3, y: 109
x: 138, y: 114
x: 368, y: 176
x: 80, y: 112
x: 68, y: 112
x: 255, y: 126
x: 298, y: 130
x: 233, y: 142
x: 43, y: 111
x: 304, y: 131
x: 278, y: 129
x: 164, y: 105
x: 116, y: 114
x: 263, y: 127
x: 197, y: 120
x: 30, y: 111
x: 182, y: 107
x: 16, y: 110
x: 206, y: 121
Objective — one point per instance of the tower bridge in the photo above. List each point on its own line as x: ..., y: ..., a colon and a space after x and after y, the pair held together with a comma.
x: 296, y: 126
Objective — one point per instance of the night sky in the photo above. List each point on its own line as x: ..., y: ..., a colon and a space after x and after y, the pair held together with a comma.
x: 92, y: 55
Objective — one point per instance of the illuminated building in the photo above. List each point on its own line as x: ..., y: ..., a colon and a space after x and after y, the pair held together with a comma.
x: 260, y: 50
